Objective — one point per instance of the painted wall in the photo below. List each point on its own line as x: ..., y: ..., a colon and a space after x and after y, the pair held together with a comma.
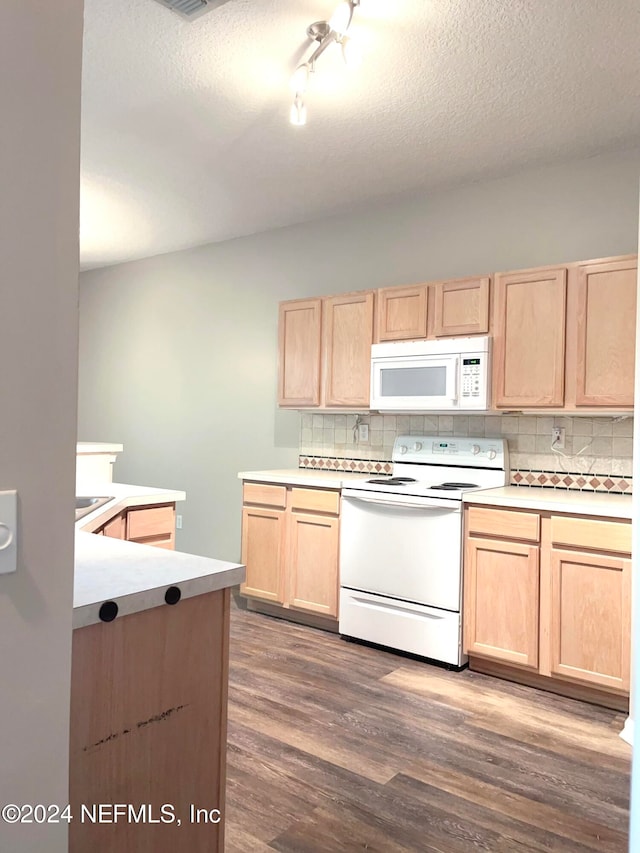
x: 40, y: 66
x: 178, y: 352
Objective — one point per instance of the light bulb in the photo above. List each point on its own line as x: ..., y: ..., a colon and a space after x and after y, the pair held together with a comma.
x: 351, y: 52
x: 341, y: 18
x: 300, y: 79
x: 298, y: 114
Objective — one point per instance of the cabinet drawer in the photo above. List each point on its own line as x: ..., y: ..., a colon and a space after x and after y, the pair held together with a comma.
x: 316, y: 500
x: 504, y: 523
x: 151, y: 522
x: 262, y: 493
x: 614, y: 536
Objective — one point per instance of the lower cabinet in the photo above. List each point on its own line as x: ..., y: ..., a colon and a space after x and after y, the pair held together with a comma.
x: 148, y: 525
x: 502, y: 604
x: 149, y: 729
x: 549, y: 595
x: 153, y: 525
x: 290, y: 547
x: 263, y: 537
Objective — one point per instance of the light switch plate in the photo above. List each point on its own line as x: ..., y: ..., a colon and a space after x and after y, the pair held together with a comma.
x: 8, y: 532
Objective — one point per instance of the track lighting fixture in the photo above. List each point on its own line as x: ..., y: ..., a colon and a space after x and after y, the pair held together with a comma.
x: 326, y: 33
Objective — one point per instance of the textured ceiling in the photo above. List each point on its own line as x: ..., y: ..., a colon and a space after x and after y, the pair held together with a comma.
x: 186, y: 138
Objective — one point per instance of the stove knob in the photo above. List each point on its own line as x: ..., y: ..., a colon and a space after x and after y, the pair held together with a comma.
x: 417, y: 446
x: 475, y: 449
x: 491, y: 454
x: 403, y: 448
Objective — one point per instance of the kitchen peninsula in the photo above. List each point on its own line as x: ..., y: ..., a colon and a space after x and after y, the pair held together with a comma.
x: 148, y: 686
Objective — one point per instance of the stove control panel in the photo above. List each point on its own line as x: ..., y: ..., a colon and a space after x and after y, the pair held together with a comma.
x: 474, y: 452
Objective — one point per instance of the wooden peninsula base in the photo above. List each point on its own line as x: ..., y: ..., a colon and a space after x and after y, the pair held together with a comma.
x: 148, y: 729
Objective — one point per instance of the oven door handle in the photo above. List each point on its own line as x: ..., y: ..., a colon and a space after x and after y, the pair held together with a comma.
x: 434, y: 503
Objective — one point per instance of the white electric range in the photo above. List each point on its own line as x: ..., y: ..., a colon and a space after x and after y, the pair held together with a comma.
x: 401, y: 545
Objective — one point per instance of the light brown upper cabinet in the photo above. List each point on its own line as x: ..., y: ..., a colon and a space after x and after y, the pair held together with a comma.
x: 300, y: 341
x: 461, y: 307
x: 347, y: 323
x: 401, y: 313
x: 606, y: 323
x: 529, y: 338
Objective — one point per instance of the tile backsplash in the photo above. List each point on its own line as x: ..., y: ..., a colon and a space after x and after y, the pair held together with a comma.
x: 597, y: 452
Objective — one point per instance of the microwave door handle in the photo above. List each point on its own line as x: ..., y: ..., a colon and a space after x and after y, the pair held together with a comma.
x: 456, y: 372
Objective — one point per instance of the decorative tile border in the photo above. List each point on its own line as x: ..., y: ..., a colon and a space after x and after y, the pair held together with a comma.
x: 332, y: 463
x: 572, y: 481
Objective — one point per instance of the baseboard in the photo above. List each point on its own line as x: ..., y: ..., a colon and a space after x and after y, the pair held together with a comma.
x: 313, y: 620
x: 615, y: 701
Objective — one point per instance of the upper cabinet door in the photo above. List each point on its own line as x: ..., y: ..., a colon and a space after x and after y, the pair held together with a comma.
x: 401, y: 313
x: 299, y: 343
x: 529, y: 338
x: 606, y: 320
x: 348, y: 334
x: 461, y: 307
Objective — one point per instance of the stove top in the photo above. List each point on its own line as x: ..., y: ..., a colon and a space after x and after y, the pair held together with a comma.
x: 444, y: 468
x: 392, y: 481
x: 456, y: 486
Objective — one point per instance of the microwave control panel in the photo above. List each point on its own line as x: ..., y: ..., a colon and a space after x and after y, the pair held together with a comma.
x: 473, y: 376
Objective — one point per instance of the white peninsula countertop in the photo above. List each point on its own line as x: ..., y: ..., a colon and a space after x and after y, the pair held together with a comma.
x: 135, y: 577
x: 553, y: 500
x: 122, y: 497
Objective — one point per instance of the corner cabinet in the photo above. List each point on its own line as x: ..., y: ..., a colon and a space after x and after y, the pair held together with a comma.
x: 290, y: 547
x: 147, y: 525
x: 547, y: 601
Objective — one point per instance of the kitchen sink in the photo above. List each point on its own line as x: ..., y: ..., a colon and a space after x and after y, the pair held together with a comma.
x: 85, y: 505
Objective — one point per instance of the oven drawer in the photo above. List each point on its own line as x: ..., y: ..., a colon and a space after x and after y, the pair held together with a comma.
x: 401, y: 625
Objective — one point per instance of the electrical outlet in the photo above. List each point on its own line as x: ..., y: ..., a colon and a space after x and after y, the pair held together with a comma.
x: 557, y: 437
x: 363, y: 432
x: 178, y: 522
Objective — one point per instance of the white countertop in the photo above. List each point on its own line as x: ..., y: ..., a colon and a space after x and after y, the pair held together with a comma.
x: 136, y: 577
x: 124, y: 496
x: 554, y: 500
x: 97, y: 447
x: 306, y: 477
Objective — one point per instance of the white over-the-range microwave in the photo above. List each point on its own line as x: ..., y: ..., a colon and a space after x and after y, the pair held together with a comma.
x: 452, y: 375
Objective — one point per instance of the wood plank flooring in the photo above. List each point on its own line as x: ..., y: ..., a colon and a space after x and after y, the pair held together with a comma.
x: 335, y: 746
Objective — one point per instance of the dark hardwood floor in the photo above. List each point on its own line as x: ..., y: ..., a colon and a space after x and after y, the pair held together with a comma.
x: 335, y: 746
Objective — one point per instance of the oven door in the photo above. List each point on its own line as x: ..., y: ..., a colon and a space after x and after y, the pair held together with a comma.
x: 402, y: 548
x: 421, y: 383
